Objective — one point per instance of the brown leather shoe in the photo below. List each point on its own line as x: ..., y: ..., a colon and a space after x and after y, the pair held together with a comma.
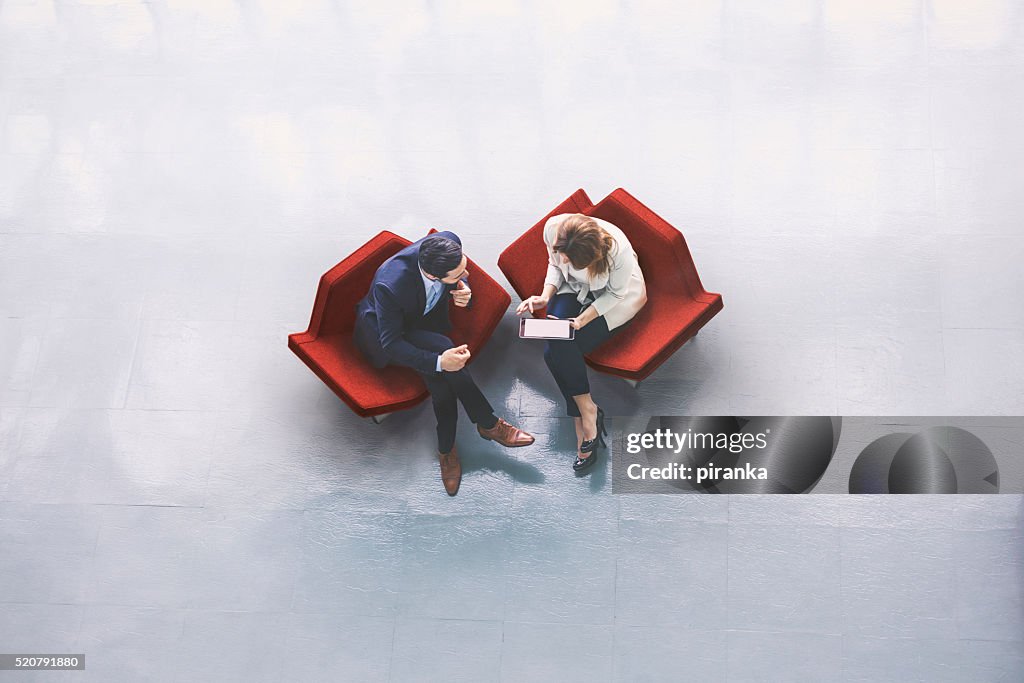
x: 506, y: 434
x: 451, y: 471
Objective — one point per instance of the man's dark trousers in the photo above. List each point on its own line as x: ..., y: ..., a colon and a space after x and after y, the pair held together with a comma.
x: 448, y: 389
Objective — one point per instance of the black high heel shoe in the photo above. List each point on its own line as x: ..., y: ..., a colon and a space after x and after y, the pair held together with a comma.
x: 590, y: 445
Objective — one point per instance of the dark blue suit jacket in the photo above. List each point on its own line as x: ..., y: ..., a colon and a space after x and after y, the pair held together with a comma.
x: 394, y: 307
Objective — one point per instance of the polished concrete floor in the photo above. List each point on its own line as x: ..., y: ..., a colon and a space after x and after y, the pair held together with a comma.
x: 182, y: 500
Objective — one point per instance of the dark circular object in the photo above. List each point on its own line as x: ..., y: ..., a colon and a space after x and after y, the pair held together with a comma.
x: 921, y: 466
x: 935, y: 460
x: 870, y: 472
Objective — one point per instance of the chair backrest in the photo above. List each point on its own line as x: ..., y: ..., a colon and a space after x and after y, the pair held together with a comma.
x: 345, y: 284
x: 661, y: 249
x: 525, y: 261
x: 473, y: 325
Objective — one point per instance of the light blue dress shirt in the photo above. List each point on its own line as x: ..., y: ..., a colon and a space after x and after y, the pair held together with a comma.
x: 433, y: 289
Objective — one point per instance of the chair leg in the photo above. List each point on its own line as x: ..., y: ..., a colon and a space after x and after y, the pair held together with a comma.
x: 377, y: 419
x: 633, y: 383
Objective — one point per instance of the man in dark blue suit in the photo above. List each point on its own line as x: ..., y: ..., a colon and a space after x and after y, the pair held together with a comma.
x: 403, y: 320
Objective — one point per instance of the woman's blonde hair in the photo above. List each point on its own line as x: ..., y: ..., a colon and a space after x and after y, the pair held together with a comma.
x: 588, y: 246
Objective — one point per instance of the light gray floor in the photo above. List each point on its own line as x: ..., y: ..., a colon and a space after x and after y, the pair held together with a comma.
x: 182, y: 500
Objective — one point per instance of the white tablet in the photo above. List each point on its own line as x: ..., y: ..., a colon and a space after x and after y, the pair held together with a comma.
x: 546, y: 328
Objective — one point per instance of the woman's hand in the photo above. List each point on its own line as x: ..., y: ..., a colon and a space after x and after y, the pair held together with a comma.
x: 532, y: 304
x: 575, y: 323
x: 580, y: 321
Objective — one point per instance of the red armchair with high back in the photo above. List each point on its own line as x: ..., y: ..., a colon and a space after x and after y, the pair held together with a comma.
x: 328, y: 349
x: 677, y: 304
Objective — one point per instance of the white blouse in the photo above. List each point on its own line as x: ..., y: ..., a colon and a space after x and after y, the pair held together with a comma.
x: 617, y: 294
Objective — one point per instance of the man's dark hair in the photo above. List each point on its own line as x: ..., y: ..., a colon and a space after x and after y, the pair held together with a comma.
x: 439, y: 255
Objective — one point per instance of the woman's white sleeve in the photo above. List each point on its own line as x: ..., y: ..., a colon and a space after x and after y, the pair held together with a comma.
x: 618, y: 282
x: 554, y: 275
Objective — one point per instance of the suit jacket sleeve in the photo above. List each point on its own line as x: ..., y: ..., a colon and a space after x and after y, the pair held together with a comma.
x: 392, y: 339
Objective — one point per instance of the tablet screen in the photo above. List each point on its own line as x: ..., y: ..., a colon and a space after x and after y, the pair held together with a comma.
x: 545, y: 328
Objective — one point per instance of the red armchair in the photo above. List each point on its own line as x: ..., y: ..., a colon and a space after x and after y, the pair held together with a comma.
x: 677, y: 304
x: 328, y: 349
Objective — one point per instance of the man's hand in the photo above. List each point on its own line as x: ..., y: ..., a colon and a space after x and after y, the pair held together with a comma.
x: 461, y: 294
x: 534, y: 303
x: 454, y: 359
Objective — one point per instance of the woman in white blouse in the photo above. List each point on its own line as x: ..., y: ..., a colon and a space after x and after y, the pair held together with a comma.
x: 594, y: 281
